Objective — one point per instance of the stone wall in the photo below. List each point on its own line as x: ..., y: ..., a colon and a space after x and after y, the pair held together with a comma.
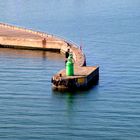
x: 34, y: 39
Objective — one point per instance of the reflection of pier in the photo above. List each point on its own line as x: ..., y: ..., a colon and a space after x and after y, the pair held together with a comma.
x: 16, y: 37
x: 31, y: 54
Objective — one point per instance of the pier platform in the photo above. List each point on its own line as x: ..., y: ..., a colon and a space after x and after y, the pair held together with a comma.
x: 83, y: 77
x: 22, y: 38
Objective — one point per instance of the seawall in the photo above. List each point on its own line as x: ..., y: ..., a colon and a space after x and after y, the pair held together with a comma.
x: 22, y: 38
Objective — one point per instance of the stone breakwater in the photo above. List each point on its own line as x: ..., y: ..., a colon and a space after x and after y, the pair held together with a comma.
x: 22, y: 38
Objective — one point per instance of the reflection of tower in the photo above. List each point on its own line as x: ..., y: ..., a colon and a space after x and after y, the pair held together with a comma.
x: 44, y: 43
x: 44, y: 46
x: 44, y: 55
x: 70, y: 104
x: 70, y: 112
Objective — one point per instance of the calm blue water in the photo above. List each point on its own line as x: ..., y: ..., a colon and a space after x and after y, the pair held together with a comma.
x: 110, y: 34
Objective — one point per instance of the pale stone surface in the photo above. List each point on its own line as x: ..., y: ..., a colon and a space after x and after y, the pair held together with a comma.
x: 21, y: 37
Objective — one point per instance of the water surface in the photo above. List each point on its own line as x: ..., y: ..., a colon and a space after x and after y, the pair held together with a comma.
x: 109, y: 32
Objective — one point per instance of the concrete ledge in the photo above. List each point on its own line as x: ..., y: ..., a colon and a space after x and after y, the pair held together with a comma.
x: 83, y: 78
x: 28, y: 39
x: 30, y: 48
x: 22, y: 38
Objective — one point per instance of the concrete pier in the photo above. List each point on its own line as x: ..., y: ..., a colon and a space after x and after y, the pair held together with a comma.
x: 83, y: 78
x: 22, y: 38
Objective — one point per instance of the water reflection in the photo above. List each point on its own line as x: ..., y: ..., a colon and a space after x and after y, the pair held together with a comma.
x: 30, y: 54
x: 44, y: 55
x: 71, y: 97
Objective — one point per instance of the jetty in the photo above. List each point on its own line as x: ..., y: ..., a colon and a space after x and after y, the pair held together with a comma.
x: 22, y: 38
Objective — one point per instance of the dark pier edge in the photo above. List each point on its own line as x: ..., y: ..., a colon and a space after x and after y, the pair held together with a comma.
x: 30, y: 48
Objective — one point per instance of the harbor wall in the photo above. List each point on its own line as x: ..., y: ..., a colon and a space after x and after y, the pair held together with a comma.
x: 23, y: 38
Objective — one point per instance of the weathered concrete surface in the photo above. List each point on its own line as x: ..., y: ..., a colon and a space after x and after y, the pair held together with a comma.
x: 84, y: 71
x: 83, y: 78
x: 12, y: 36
